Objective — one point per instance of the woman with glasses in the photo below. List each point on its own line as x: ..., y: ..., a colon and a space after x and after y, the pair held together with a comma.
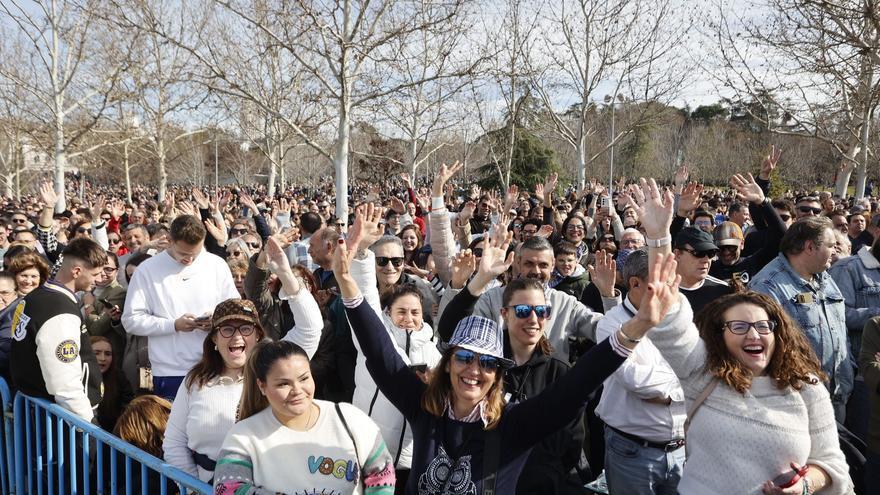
x: 753, y: 385
x: 466, y: 438
x: 390, y: 274
x: 206, y: 404
x: 525, y: 312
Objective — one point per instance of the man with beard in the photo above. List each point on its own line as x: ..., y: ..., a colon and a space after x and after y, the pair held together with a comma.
x: 534, y: 259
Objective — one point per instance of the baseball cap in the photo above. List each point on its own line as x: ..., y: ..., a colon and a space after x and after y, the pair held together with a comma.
x: 697, y: 238
x: 235, y: 309
x: 728, y: 234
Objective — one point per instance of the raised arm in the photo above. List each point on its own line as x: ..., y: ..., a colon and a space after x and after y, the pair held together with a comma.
x: 442, y: 238
x: 308, y: 321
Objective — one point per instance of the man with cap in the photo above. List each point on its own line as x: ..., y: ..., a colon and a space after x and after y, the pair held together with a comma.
x: 694, y: 251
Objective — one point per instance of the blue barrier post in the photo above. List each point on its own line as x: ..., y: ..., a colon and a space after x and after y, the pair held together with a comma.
x: 7, y: 459
x: 68, y: 444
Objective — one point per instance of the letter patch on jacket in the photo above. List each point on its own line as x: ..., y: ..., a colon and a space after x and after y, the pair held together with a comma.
x: 67, y: 351
x: 19, y: 323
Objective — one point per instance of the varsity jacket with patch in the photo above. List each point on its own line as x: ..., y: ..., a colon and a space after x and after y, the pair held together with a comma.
x: 52, y: 357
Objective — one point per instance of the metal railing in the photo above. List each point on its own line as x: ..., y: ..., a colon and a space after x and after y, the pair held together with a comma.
x: 57, y: 452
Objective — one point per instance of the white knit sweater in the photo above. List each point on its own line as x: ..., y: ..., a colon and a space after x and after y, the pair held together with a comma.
x: 737, y: 441
x: 199, y: 421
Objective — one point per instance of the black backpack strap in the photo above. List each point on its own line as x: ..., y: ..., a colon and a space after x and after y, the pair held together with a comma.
x: 348, y: 430
x: 490, y: 461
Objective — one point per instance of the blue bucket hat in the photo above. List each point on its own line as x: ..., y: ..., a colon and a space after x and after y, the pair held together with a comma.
x: 480, y: 335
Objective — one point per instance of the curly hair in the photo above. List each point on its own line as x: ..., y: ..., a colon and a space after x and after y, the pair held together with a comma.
x: 793, y: 362
x: 440, y: 388
x: 26, y: 260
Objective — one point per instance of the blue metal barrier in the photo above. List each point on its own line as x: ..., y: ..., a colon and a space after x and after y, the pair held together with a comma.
x: 83, y: 459
x: 7, y: 457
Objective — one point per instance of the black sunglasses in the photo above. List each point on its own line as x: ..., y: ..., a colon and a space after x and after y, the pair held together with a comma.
x: 253, y: 245
x: 113, y: 241
x: 785, y: 218
x: 82, y: 230
x: 708, y: 253
x: 19, y: 220
x: 808, y: 209
x: 466, y: 357
x: 523, y: 311
x: 229, y: 330
x: 384, y: 260
x: 239, y: 231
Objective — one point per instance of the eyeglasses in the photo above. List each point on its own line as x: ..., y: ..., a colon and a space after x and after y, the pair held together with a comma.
x: 738, y: 327
x: 478, y: 252
x: 709, y: 253
x: 82, y: 230
x: 785, y: 218
x: 523, y: 311
x: 384, y: 260
x: 253, y: 245
x: 809, y: 209
x: 466, y: 357
x: 229, y: 330
x: 340, y: 224
x: 239, y: 231
x: 574, y: 227
x: 110, y: 269
x: 517, y: 225
x: 728, y: 248
x: 19, y: 220
x: 113, y: 241
x: 608, y: 238
x: 106, y: 219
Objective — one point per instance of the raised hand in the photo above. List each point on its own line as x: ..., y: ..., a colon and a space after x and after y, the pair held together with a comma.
x: 424, y: 202
x: 463, y: 266
x: 200, y: 198
x: 747, y: 189
x: 223, y: 198
x: 681, y: 176
x: 604, y: 273
x: 443, y: 175
x: 770, y: 162
x: 690, y: 199
x: 247, y: 201
x: 217, y: 232
x: 653, y: 206
x: 280, y: 266
x: 549, y: 187
x: 467, y: 212
x: 545, y: 231
x: 97, y: 208
x: 397, y: 205
x: 511, y: 197
x: 660, y: 296
x: 495, y: 260
x: 539, y: 191
x: 284, y: 206
x: 187, y: 208
x: 405, y: 178
x: 366, y: 228
x: 117, y: 209
x: 48, y: 194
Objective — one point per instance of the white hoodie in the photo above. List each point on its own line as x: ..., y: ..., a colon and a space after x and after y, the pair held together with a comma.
x: 367, y: 397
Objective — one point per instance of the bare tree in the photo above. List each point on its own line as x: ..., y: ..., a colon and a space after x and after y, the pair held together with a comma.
x: 811, y: 67
x: 628, y: 47
x: 73, y: 69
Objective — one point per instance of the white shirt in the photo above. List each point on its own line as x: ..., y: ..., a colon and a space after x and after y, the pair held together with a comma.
x: 644, y: 375
x: 163, y: 290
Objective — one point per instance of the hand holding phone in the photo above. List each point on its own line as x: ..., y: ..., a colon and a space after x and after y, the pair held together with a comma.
x: 789, y: 478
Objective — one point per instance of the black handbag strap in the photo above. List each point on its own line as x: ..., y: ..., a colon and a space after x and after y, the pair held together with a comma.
x: 348, y: 430
x: 490, y: 461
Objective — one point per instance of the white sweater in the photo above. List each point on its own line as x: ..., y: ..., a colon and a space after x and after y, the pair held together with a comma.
x: 163, y: 290
x: 320, y: 460
x: 737, y: 441
x: 199, y: 421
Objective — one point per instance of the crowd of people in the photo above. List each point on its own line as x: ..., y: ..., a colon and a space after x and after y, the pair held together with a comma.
x: 645, y: 339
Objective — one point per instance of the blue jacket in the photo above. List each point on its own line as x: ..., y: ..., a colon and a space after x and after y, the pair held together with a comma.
x: 821, y: 313
x: 858, y: 277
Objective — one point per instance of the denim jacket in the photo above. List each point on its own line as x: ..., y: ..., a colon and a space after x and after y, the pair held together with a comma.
x: 818, y: 307
x: 858, y: 278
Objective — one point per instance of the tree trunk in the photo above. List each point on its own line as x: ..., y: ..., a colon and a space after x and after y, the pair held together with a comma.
x: 844, y: 174
x: 340, y: 161
x: 862, y: 173
x: 274, y: 162
x: 582, y: 164
x: 126, y: 164
x: 60, y: 165
x: 160, y: 164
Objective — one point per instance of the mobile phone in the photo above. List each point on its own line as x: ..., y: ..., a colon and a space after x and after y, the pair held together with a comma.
x: 202, y: 319
x: 788, y: 479
x: 603, y: 202
x: 421, y: 368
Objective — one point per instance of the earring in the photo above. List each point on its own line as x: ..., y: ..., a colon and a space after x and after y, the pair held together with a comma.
x: 215, y: 347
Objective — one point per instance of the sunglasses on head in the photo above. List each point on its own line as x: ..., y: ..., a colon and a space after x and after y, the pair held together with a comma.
x: 466, y: 357
x: 229, y: 330
x: 708, y: 253
x: 525, y: 310
x: 809, y: 209
x: 384, y: 260
x: 738, y: 327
